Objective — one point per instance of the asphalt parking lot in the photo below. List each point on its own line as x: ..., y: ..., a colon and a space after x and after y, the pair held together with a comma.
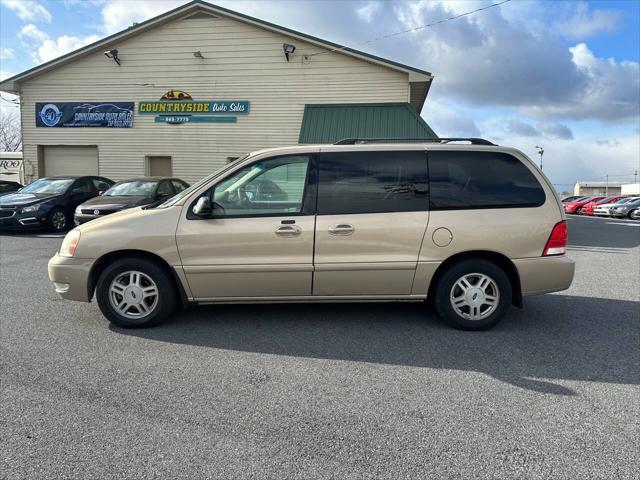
x: 326, y: 391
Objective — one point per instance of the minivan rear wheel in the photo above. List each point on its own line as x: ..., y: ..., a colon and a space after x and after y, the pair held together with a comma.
x: 473, y: 294
x: 135, y: 293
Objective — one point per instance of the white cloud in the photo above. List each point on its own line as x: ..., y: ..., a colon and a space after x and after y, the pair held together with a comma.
x: 6, y: 53
x: 586, y: 24
x: 82, y: 3
x: 522, y: 129
x: 487, y: 60
x: 555, y: 130
x: 367, y: 11
x: 118, y: 15
x: 28, y: 10
x: 7, y: 106
x: 611, y: 90
x: 50, y: 49
x: 31, y: 32
x: 43, y: 48
x: 448, y: 120
x: 567, y: 160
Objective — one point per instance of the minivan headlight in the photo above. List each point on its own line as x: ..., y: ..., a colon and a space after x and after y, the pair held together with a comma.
x: 70, y: 243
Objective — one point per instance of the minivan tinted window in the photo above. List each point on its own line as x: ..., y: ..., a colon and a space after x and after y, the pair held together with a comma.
x: 372, y: 182
x: 467, y: 180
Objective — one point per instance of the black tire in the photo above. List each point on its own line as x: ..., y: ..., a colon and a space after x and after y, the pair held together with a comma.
x: 447, y: 281
x: 160, y: 311
x: 55, y: 215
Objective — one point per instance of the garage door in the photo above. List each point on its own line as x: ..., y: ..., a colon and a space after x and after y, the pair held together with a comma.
x: 70, y: 160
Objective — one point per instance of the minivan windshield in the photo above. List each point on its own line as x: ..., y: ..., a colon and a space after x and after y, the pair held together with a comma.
x: 138, y: 188
x: 50, y: 186
x: 186, y: 192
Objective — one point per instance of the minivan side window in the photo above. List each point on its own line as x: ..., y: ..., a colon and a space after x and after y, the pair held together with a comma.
x: 271, y: 187
x: 372, y: 182
x: 471, y: 180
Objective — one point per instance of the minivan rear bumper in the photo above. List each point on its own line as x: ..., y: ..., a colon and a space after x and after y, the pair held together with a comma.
x: 545, y: 274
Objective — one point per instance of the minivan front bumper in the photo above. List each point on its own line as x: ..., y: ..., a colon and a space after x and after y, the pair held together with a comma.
x: 545, y: 274
x: 70, y: 276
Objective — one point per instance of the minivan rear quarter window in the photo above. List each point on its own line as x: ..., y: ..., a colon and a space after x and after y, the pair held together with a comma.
x: 471, y: 180
x: 372, y: 182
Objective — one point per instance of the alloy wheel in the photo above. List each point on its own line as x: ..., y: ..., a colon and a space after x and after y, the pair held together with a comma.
x: 59, y: 220
x: 133, y: 294
x: 474, y: 296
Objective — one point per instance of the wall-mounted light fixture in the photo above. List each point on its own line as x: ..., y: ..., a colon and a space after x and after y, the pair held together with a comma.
x: 288, y: 50
x: 113, y: 54
x: 198, y: 54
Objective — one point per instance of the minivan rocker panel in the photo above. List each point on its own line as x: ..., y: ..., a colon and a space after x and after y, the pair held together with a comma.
x: 333, y: 223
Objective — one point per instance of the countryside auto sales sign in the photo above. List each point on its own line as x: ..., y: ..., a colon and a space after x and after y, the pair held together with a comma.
x: 84, y: 114
x: 177, y: 106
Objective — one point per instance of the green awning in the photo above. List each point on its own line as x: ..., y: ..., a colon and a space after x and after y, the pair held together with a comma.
x: 332, y: 122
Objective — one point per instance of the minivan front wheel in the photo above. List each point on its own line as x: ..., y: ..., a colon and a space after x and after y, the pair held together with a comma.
x: 473, y: 295
x: 134, y: 293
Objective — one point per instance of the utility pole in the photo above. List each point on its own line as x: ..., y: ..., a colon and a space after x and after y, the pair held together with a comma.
x: 540, y: 152
x: 635, y: 176
x: 606, y: 185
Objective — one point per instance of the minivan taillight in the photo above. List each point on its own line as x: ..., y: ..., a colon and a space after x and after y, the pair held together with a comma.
x: 557, y: 243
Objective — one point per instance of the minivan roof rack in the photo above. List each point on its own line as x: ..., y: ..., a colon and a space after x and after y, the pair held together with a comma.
x: 472, y: 140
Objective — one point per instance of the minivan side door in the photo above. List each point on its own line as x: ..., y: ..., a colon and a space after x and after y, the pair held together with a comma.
x: 259, y: 242
x: 372, y: 213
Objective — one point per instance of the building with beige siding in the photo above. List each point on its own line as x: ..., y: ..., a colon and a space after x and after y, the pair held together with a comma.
x: 190, y: 90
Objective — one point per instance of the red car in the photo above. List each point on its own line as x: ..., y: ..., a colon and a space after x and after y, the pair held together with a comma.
x: 572, y: 207
x: 587, y: 209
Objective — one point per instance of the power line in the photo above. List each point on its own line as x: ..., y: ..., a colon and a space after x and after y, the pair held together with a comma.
x: 415, y: 29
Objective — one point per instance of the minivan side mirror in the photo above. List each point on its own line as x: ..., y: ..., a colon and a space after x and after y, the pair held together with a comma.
x: 203, y: 208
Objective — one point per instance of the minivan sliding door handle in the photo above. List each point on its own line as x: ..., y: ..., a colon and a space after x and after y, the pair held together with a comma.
x: 341, y: 229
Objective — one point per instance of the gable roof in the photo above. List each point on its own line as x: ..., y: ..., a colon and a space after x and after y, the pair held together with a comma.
x: 420, y: 79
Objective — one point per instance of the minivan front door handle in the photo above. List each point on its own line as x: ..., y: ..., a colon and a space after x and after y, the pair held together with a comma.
x: 288, y: 230
x: 341, y: 229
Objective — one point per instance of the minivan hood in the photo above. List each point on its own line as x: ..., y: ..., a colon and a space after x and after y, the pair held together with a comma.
x: 116, y: 202
x: 21, y: 199
x: 152, y: 230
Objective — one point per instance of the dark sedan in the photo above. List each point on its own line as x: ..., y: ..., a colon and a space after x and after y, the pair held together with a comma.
x: 131, y: 193
x: 7, y: 187
x: 48, y: 202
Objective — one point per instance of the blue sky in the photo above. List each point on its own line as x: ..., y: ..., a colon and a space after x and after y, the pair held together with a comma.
x: 564, y: 75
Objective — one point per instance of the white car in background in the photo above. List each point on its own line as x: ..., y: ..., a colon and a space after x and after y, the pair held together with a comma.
x: 605, y: 210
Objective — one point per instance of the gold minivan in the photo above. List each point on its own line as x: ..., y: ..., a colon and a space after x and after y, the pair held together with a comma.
x: 473, y: 227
